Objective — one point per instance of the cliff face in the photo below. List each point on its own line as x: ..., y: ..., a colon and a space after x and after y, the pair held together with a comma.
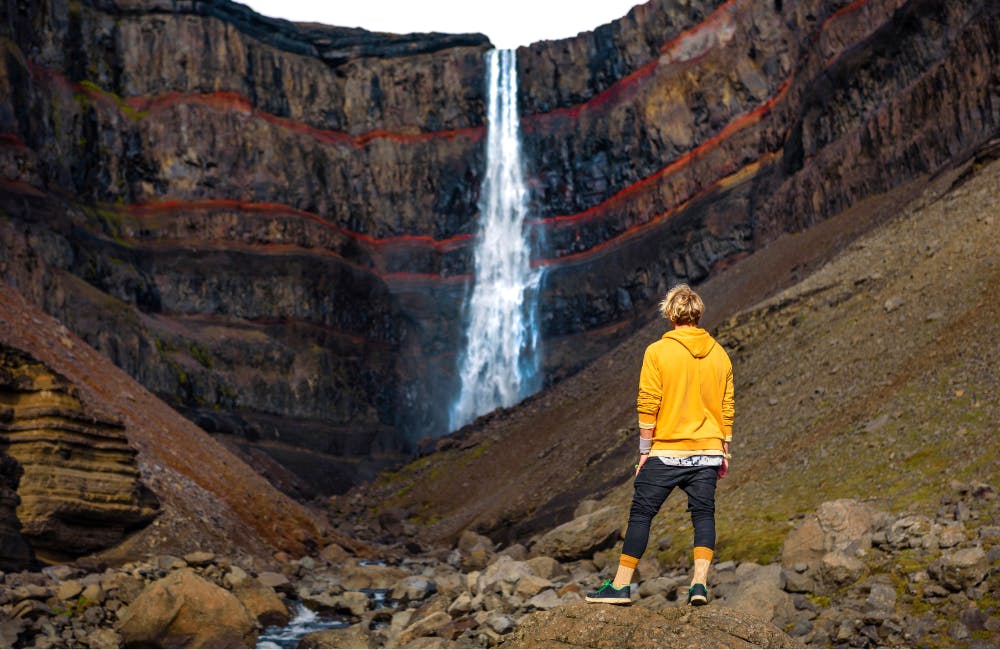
x: 684, y: 136
x: 270, y: 224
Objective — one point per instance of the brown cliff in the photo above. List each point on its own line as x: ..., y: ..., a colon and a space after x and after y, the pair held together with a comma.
x: 81, y: 490
x: 273, y: 230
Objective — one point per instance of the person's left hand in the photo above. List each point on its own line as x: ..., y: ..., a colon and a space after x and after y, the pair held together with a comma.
x: 724, y: 468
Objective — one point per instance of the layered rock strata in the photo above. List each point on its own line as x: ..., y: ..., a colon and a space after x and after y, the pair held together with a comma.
x: 271, y: 224
x: 81, y: 490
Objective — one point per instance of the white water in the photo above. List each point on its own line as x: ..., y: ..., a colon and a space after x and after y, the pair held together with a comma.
x: 304, y: 622
x: 499, y: 365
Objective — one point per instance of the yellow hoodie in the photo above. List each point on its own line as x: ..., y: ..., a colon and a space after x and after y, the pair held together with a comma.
x: 686, y: 391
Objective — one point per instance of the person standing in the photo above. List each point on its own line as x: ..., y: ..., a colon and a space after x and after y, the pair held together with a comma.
x: 686, y: 410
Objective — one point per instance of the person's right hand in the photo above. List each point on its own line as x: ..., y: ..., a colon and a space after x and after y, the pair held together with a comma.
x: 724, y: 468
x: 642, y: 461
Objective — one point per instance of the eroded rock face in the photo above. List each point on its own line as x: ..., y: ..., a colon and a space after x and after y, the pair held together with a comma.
x: 15, y: 554
x: 81, y: 490
x: 275, y: 232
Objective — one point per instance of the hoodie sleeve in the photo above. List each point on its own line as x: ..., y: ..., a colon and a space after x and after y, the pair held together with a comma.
x: 650, y: 390
x: 728, y: 407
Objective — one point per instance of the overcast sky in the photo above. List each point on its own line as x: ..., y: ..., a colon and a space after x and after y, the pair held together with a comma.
x: 507, y: 23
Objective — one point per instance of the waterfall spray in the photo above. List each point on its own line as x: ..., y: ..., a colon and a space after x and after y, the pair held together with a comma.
x: 499, y: 365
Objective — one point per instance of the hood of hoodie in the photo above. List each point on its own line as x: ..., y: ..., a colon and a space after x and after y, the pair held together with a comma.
x: 696, y: 340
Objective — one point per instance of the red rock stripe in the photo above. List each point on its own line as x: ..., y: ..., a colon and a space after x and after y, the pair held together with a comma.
x: 12, y: 140
x: 233, y: 100
x: 630, y: 232
x: 747, y: 119
x: 170, y: 207
x: 230, y: 101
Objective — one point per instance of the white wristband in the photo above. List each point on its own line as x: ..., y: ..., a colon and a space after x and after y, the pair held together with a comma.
x: 645, y: 445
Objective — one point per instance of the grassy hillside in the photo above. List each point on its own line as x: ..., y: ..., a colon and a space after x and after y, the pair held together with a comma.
x: 872, y: 375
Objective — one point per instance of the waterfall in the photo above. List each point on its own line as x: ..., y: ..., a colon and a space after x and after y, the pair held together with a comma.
x: 499, y: 365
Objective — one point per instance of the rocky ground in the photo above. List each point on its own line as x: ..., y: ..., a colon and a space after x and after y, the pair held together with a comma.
x: 851, y: 575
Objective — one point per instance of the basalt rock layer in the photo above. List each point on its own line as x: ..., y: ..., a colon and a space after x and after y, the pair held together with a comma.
x: 271, y: 224
x: 81, y: 490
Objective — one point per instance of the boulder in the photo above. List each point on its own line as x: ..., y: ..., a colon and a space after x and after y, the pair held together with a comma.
x: 588, y: 625
x: 502, y: 575
x: 334, y: 554
x: 909, y: 531
x: 835, y: 526
x: 413, y: 588
x: 961, y: 569
x: 881, y: 601
x: 276, y: 581
x: 580, y: 537
x: 262, y: 602
x: 528, y: 586
x: 758, y: 592
x: 546, y: 567
x: 185, y: 610
x: 839, y: 569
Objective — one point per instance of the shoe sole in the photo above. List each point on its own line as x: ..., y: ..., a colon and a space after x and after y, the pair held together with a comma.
x: 609, y: 601
x: 698, y: 601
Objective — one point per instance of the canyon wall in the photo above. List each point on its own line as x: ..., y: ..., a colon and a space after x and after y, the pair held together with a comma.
x: 270, y: 224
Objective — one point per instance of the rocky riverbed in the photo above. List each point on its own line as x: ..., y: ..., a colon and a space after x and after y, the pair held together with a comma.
x: 851, y: 575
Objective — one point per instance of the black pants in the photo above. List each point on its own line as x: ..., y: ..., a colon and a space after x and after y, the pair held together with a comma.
x: 654, y: 484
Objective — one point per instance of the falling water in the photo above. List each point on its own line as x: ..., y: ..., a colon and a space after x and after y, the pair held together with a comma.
x: 499, y: 365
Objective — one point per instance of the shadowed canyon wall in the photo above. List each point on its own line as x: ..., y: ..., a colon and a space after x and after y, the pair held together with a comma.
x: 271, y: 224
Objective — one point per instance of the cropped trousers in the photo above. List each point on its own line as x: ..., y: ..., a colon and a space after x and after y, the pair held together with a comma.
x: 653, y: 485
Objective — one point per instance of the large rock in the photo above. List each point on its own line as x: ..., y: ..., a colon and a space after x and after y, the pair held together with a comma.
x: 959, y: 569
x: 606, y: 626
x: 758, y: 592
x: 184, y: 610
x: 502, y: 575
x: 262, y: 602
x: 841, y: 525
x: 582, y: 536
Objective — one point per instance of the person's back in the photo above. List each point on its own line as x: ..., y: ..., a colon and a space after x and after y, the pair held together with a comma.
x: 686, y: 385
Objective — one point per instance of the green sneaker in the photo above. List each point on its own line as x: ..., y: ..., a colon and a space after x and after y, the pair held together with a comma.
x: 698, y: 594
x: 606, y: 593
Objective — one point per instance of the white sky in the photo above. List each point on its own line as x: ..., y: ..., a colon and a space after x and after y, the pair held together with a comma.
x: 507, y: 23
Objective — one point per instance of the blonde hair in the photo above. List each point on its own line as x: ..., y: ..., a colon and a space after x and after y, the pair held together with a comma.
x: 682, y: 306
